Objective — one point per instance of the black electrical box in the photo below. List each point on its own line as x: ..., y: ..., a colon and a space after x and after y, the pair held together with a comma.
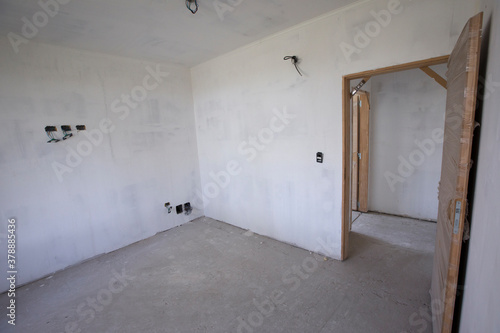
x: 319, y: 157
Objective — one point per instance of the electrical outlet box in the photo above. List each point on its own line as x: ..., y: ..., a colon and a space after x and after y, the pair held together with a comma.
x: 81, y: 127
x: 178, y: 209
x: 168, y: 207
x: 50, y: 129
x: 319, y: 157
x: 66, y: 128
x: 187, y: 208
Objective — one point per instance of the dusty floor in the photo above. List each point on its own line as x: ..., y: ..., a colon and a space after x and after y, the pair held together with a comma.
x: 207, y: 276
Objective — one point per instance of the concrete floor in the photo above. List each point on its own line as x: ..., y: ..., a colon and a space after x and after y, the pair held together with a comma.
x: 207, y: 276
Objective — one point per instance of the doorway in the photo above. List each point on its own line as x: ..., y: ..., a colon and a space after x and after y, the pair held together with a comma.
x: 348, y: 130
x: 463, y: 74
x: 397, y: 143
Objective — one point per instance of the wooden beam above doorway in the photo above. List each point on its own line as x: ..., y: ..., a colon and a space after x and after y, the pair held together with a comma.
x: 438, y: 78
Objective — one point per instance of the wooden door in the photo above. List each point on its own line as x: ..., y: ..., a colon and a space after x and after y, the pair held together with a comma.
x: 360, y: 150
x: 463, y: 67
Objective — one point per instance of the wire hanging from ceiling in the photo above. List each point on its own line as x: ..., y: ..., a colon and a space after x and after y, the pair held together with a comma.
x: 189, y: 3
x: 295, y: 61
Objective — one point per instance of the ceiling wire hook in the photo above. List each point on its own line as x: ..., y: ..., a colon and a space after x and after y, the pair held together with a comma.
x: 295, y: 60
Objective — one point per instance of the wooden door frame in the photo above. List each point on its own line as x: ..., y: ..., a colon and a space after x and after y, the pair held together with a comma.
x: 346, y: 136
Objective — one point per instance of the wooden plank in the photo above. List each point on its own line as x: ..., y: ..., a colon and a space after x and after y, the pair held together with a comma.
x: 364, y: 149
x: 346, y: 167
x: 399, y: 68
x: 463, y: 71
x: 355, y: 151
x: 435, y: 76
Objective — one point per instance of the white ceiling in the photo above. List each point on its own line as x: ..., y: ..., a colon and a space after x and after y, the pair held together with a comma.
x: 162, y: 30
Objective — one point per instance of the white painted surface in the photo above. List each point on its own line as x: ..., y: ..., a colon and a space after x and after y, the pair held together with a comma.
x: 406, y: 127
x: 482, y: 294
x: 158, y: 30
x: 115, y: 196
x: 283, y: 193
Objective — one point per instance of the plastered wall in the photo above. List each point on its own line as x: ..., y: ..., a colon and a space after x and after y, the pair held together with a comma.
x: 278, y: 188
x: 406, y: 136
x: 104, y: 188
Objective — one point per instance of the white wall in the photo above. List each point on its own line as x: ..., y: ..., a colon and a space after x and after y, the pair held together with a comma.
x: 406, y: 127
x: 115, y: 196
x: 482, y: 295
x: 283, y: 193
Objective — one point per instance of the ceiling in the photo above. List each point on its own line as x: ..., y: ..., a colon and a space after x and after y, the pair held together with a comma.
x: 161, y: 30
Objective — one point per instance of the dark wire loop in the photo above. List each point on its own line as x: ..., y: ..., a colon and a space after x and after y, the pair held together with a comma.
x: 188, y: 5
x: 295, y: 61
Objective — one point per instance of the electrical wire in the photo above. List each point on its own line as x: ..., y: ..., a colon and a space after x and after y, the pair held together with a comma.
x: 67, y: 135
x: 188, y: 5
x: 51, y: 137
x: 295, y: 61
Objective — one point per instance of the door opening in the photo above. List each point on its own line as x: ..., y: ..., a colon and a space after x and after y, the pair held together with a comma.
x: 349, y: 142
x: 463, y: 72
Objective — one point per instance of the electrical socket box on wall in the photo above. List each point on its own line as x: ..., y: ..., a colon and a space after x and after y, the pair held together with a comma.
x: 50, y: 129
x: 168, y: 207
x: 319, y: 157
x: 187, y: 208
x: 178, y: 209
